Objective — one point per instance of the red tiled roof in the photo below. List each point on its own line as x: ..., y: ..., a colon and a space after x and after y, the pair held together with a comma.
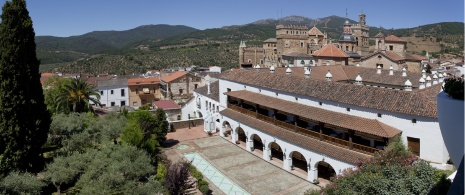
x: 308, y: 143
x: 45, y: 76
x: 388, y: 54
x: 393, y: 56
x: 166, y: 105
x: 330, y: 51
x: 143, y: 81
x: 392, y: 38
x: 315, y: 31
x: 397, y: 101
x: 358, y: 124
x: 173, y: 76
x: 415, y: 57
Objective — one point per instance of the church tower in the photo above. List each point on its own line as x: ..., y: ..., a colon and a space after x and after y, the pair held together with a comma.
x: 360, y: 31
x: 347, y: 40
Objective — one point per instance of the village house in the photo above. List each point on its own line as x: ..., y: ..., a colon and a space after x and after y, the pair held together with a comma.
x: 143, y: 91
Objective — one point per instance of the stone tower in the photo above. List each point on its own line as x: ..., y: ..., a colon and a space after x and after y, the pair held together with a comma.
x: 361, y: 33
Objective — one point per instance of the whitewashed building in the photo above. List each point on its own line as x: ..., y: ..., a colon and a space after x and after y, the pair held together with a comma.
x: 326, y: 121
x: 113, y: 92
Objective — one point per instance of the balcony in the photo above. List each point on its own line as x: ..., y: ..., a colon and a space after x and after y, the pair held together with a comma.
x: 305, y: 131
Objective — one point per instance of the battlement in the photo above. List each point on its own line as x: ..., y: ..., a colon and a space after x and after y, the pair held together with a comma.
x: 291, y: 27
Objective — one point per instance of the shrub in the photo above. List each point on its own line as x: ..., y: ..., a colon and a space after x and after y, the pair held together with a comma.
x: 204, y: 189
x: 454, y: 87
x: 195, y: 173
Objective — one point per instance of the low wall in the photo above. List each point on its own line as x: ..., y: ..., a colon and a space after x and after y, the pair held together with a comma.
x: 185, y: 124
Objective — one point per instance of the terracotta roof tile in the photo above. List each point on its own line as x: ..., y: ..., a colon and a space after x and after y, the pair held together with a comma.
x: 330, y: 51
x: 358, y: 124
x: 308, y: 143
x: 214, y: 91
x: 396, y: 101
x: 393, y: 56
x: 315, y: 31
x: 415, y: 57
x: 143, y: 81
x: 173, y: 76
x: 392, y: 38
x: 370, y: 75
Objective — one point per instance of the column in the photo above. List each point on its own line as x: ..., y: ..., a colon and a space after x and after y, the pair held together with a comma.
x: 351, y: 134
x: 287, y: 162
x: 234, y: 136
x: 266, y: 153
x: 372, y: 143
x: 321, y: 126
x: 312, y: 174
x: 249, y: 145
x: 222, y: 131
x: 295, y: 121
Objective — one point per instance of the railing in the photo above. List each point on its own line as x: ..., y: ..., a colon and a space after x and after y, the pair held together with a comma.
x: 305, y: 132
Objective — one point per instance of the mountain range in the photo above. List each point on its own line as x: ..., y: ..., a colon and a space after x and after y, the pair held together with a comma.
x: 154, y: 39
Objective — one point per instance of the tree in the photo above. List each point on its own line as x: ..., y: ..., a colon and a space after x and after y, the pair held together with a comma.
x: 78, y: 95
x: 21, y: 183
x: 55, y: 85
x: 24, y: 119
x: 162, y: 126
x: 176, y: 177
x: 141, y: 131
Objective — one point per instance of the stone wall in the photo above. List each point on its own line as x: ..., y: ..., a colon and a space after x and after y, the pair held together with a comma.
x: 185, y: 124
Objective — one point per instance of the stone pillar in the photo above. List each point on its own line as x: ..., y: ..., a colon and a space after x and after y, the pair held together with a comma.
x: 222, y: 131
x: 286, y: 162
x: 249, y: 145
x: 312, y: 174
x: 372, y: 143
x: 266, y: 153
x: 234, y: 136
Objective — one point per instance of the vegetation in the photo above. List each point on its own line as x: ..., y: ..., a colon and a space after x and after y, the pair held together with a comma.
x: 454, y: 87
x: 392, y: 171
x: 24, y: 120
x: 77, y: 96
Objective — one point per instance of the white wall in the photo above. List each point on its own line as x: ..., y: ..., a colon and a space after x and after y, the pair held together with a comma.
x: 432, y: 146
x: 106, y: 98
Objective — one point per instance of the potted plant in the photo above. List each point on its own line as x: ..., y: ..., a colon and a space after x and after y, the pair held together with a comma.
x: 451, y: 115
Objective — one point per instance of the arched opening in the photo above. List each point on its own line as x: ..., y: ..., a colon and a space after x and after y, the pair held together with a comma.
x: 241, y: 137
x: 299, y: 162
x: 199, y: 114
x: 227, y: 129
x: 276, y: 151
x: 257, y: 142
x: 325, y: 170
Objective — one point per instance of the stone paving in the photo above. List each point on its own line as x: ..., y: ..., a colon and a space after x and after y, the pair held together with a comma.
x: 248, y: 171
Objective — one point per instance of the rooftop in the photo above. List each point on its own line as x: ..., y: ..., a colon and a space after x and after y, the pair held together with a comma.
x: 214, y: 91
x: 392, y: 38
x: 166, y: 105
x: 330, y: 51
x: 173, y: 76
x: 143, y: 81
x: 315, y: 31
x: 112, y: 82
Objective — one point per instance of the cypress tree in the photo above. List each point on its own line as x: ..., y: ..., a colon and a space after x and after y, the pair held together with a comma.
x: 24, y: 119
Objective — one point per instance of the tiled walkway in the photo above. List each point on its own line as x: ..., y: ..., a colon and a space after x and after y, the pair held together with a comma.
x: 246, y: 170
x: 215, y: 176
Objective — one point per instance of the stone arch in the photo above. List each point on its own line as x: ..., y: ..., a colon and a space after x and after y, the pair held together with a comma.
x: 257, y: 141
x: 241, y: 135
x: 199, y: 114
x: 276, y: 151
x: 298, y: 161
x: 226, y: 128
x: 325, y: 170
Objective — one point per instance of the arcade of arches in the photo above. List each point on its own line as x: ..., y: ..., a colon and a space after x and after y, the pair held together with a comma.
x: 273, y: 152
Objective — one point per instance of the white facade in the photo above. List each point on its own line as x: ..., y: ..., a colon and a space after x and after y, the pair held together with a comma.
x: 215, y: 69
x: 426, y: 129
x: 114, y: 95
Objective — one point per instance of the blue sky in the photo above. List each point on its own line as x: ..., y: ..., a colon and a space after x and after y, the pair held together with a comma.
x: 75, y: 17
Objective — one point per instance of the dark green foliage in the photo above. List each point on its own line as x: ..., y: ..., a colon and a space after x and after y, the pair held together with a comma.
x: 24, y: 119
x: 454, y: 87
x: 52, y: 94
x: 141, y: 131
x: 204, y: 188
x: 21, y: 183
x: 78, y: 95
x: 392, y: 171
x: 195, y: 173
x: 161, y: 128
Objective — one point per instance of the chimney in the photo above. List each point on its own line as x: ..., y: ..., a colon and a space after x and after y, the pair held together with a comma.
x: 423, y: 73
x: 272, y: 69
x: 408, y: 85
x: 435, y: 79
x: 391, y: 70
x: 207, y: 79
x: 329, y: 76
x: 307, y: 73
x: 428, y: 81
x: 404, y: 72
x: 358, y: 80
x: 421, y: 84
x: 288, y: 71
x: 257, y: 67
x: 378, y: 69
x: 441, y: 78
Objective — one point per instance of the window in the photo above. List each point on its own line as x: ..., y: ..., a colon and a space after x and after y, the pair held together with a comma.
x: 112, y: 103
x: 276, y: 94
x: 195, y: 86
x: 348, y: 109
x: 123, y: 103
x: 259, y: 90
x: 180, y: 91
x: 321, y: 103
x: 261, y: 61
x: 391, y: 47
x: 111, y: 92
x: 414, y: 120
x: 379, y: 115
x: 380, y: 65
x: 296, y: 98
x: 249, y: 60
x: 414, y: 145
x: 245, y: 86
x: 134, y: 103
x: 137, y: 90
x: 122, y: 93
x: 101, y: 92
x: 347, y: 48
x: 301, y: 44
x: 228, y: 89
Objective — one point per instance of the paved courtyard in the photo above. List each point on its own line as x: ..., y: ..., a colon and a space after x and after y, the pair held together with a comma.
x: 248, y: 171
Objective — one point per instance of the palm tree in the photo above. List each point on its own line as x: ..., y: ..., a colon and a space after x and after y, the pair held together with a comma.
x: 78, y: 96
